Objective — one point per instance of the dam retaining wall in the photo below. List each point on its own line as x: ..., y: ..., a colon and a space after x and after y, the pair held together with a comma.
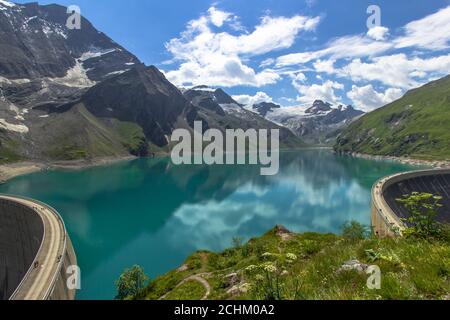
x: 387, y: 214
x: 35, y: 251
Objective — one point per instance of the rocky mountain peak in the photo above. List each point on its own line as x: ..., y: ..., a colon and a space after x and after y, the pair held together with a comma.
x: 28, y: 31
x: 263, y: 108
x: 319, y: 106
x: 141, y: 95
x: 223, y: 97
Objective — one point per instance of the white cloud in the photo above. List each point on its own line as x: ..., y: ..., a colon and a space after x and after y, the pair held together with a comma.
x: 218, y: 17
x: 431, y: 32
x: 220, y: 71
x: 367, y: 98
x: 344, y: 47
x: 267, y: 62
x: 324, y: 91
x: 216, y: 58
x: 396, y: 70
x: 251, y: 100
x: 298, y: 77
x: 326, y: 66
x: 208, y: 54
x: 378, y: 33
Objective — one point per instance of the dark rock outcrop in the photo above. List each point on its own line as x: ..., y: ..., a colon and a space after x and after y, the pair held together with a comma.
x: 143, y: 96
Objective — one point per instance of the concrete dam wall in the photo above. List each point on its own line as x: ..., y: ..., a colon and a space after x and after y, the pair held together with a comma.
x: 35, y: 251
x: 21, y: 234
x: 387, y: 213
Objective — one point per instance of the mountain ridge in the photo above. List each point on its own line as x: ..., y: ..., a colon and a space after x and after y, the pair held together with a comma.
x: 319, y: 124
x: 415, y: 126
x: 90, y: 97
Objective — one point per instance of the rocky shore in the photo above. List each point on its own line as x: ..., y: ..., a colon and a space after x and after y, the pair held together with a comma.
x: 405, y: 160
x: 10, y: 171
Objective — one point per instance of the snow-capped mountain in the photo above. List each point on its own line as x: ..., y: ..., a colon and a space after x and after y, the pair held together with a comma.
x: 35, y: 44
x: 318, y: 124
x: 218, y: 107
x: 215, y: 99
x: 76, y: 94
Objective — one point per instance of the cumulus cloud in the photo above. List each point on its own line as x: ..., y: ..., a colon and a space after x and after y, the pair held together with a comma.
x: 397, y: 70
x: 216, y: 58
x: 326, y: 66
x: 251, y: 100
x: 378, y: 33
x: 218, y: 17
x: 367, y: 98
x: 324, y: 91
x: 374, y: 57
x: 431, y: 32
x: 207, y: 52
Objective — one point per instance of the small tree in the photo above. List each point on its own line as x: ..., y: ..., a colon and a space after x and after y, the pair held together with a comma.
x: 130, y: 282
x: 422, y: 210
x: 354, y: 230
x: 237, y: 242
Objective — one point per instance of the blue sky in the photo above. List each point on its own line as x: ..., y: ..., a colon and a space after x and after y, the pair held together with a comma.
x: 288, y: 51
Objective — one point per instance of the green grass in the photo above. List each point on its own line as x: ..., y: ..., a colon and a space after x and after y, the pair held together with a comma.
x: 417, y: 126
x: 411, y: 269
x: 132, y: 137
x: 190, y: 290
x: 8, y: 151
x: 80, y: 135
x: 67, y: 152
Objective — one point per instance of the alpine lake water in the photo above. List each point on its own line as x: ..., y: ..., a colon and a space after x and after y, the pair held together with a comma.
x: 155, y: 214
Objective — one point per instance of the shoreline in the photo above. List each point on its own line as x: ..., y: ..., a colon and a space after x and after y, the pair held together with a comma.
x: 13, y: 170
x: 435, y: 164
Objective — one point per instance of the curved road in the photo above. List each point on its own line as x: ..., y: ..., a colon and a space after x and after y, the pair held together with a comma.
x: 40, y: 278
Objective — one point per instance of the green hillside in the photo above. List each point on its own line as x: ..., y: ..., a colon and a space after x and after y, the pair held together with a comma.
x: 79, y: 135
x: 309, y: 266
x: 417, y: 126
x: 74, y: 135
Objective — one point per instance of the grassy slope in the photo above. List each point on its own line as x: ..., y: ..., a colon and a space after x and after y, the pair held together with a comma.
x: 190, y: 290
x: 417, y: 126
x: 410, y: 269
x: 74, y: 135
x: 8, y: 149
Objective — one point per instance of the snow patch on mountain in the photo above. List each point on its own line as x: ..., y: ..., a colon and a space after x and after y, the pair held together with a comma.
x: 4, y: 80
x: 95, y: 53
x: 75, y: 77
x: 19, y: 128
x: 114, y: 73
x: 6, y: 4
x: 232, y: 108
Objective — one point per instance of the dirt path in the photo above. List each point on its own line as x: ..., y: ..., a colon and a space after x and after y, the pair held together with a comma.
x: 199, y: 278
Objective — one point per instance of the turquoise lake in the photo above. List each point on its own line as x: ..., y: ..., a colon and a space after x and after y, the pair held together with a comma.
x: 152, y: 213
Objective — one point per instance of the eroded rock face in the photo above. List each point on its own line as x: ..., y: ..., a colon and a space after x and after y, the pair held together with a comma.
x: 143, y: 96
